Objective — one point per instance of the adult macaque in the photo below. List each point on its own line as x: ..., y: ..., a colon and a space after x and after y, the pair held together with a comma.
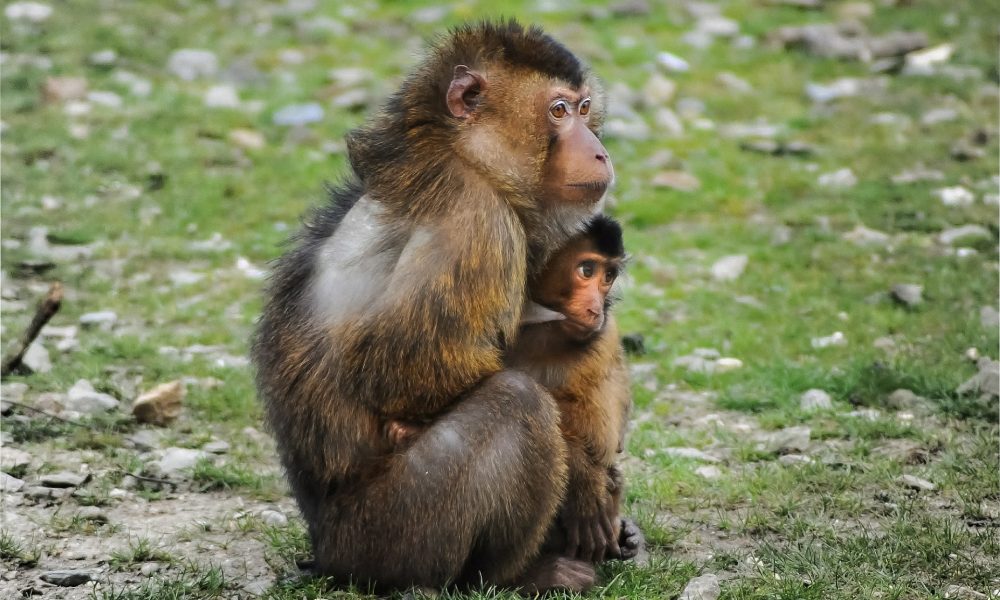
x: 395, y: 305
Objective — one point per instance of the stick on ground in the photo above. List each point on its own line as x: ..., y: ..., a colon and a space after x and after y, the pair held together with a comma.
x: 48, y: 307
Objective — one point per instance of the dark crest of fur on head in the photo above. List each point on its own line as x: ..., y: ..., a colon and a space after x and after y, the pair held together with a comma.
x: 607, y: 235
x: 415, y: 124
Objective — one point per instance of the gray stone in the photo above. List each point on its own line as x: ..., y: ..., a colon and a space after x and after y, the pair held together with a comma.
x: 84, y: 399
x: 904, y: 399
x: 989, y: 317
x: 297, y: 115
x: 63, y: 479
x: 13, y: 392
x: 216, y: 447
x: 222, y: 96
x: 842, y: 178
x: 705, y: 587
x: 955, y: 195
x: 965, y: 232
x: 12, y: 459
x: 32, y: 12
x: 173, y: 460
x: 190, y: 64
x: 863, y: 236
x: 92, y: 513
x: 145, y: 439
x: 959, y: 592
x: 787, y: 440
x: 37, y: 358
x: 986, y: 381
x: 869, y: 414
x: 103, y: 319
x: 273, y: 518
x: 672, y: 63
x: 692, y: 453
x: 729, y: 268
x: 658, y: 90
x: 916, y: 483
x: 678, y: 180
x: 695, y: 364
x: 40, y: 493
x: 815, y: 399
x: 150, y: 568
x: 907, y: 294
x: 9, y: 483
x: 66, y: 578
x: 103, y: 58
x: 790, y: 460
x: 709, y: 472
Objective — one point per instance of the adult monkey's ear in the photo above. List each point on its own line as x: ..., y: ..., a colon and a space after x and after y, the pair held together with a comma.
x: 464, y: 90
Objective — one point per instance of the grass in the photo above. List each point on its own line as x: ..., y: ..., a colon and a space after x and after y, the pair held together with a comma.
x: 146, y: 180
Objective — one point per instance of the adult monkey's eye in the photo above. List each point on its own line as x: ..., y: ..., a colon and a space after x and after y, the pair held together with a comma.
x: 586, y: 269
x: 610, y: 275
x: 558, y: 110
x: 584, y: 107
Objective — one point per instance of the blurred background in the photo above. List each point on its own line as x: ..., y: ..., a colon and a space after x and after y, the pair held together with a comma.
x: 810, y: 195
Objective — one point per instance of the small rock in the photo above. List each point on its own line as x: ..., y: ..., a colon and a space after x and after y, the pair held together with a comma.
x: 222, y: 96
x: 959, y: 592
x: 173, y: 460
x: 160, y: 405
x: 863, y: 236
x: 12, y: 459
x: 104, y: 98
x: 725, y: 364
x: 709, y: 472
x: 907, y: 294
x: 950, y: 236
x: 672, y: 63
x: 103, y: 58
x: 668, y: 121
x: 62, y: 89
x: 843, y: 178
x: 705, y: 587
x: 632, y: 129
x: 904, y: 399
x: 92, y: 513
x: 84, y: 399
x: 939, y: 115
x: 296, y: 115
x: 787, y: 439
x: 917, y: 174
x: 150, y: 568
x: 40, y: 493
x: 695, y: 364
x: 678, y: 180
x: 790, y: 460
x: 869, y: 414
x: 835, y: 339
x: 658, y: 90
x: 37, y: 358
x: 841, y: 88
x: 986, y: 381
x: 815, y: 399
x: 33, y: 12
x: 182, y: 277
x: 956, y: 196
x: 9, y: 483
x: 190, y: 64
x: 273, y: 518
x: 66, y: 578
x: 916, y: 483
x: 692, y: 453
x: 247, y: 138
x: 729, y: 268
x: 145, y: 440
x: 216, y: 447
x: 923, y: 62
x: 355, y: 99
x: 63, y: 479
x: 989, y: 317
x: 104, y: 319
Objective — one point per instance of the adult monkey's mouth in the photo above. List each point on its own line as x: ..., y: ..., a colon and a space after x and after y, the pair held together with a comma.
x: 598, y: 186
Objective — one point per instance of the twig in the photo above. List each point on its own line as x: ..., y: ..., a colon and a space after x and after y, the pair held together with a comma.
x: 149, y: 479
x: 46, y: 309
x: 47, y: 414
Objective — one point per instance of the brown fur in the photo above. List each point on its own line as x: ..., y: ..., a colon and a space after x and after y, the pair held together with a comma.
x: 443, y: 239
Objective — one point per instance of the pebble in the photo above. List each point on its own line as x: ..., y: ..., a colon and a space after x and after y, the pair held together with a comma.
x: 14, y: 392
x: 869, y: 414
x: 658, y: 90
x: 907, y: 294
x: 705, y: 587
x: 729, y: 268
x: 692, y: 453
x: 66, y: 578
x: 794, y: 459
x: 863, y: 236
x: 916, y: 483
x: 923, y: 62
x: 34, y: 12
x: 633, y: 129
x: 104, y: 98
x: 63, y: 479
x: 296, y: 115
x: 955, y: 196
x: 939, y: 115
x: 247, y: 138
x: 959, y: 592
x: 837, y: 338
x: 62, y: 89
x: 13, y: 459
x: 842, y: 178
x: 672, y: 63
x: 989, y: 317
x: 190, y: 64
x: 222, y: 96
x: 150, y: 568
x: 37, y: 358
x: 9, y: 483
x: 160, y: 405
x: 678, y: 180
x: 38, y: 492
x: 986, y: 381
x: 104, y: 319
x: 83, y: 398
x: 273, y: 518
x: 964, y: 232
x: 175, y: 459
x: 822, y: 93
x: 787, y: 439
x: 216, y: 447
x: 708, y: 472
x: 103, y: 58
x: 145, y: 439
x: 92, y: 513
x: 734, y: 83
x: 815, y: 399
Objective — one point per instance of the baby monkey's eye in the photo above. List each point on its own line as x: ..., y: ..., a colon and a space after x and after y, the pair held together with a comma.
x: 586, y: 269
x: 610, y: 275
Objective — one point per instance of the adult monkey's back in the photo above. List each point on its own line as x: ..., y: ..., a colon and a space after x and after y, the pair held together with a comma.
x: 396, y: 302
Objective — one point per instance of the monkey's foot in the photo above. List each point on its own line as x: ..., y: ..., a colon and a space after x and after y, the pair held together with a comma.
x: 558, y: 573
x: 630, y: 539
